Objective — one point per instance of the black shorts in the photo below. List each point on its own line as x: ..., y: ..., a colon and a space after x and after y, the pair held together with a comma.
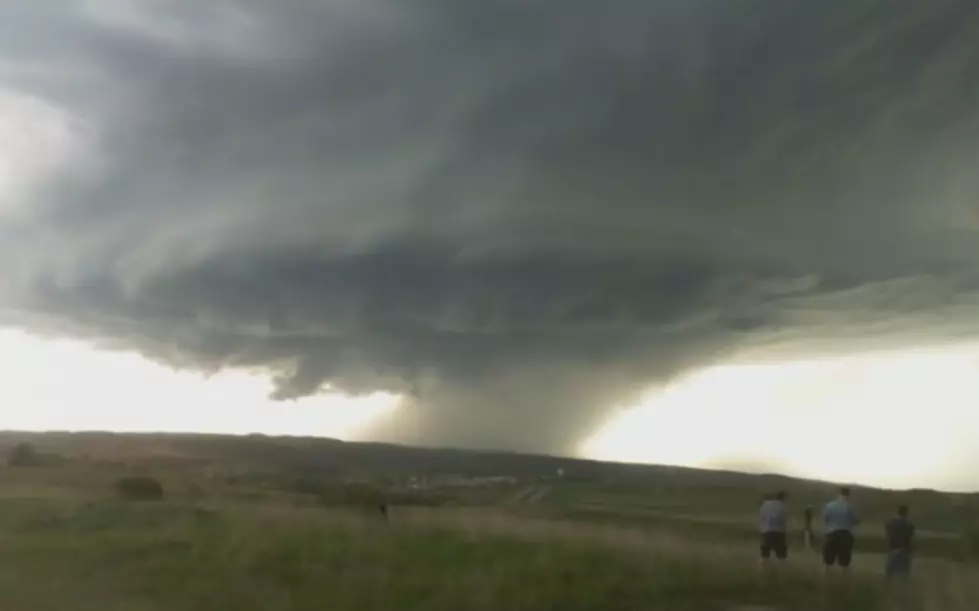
x: 774, y: 543
x: 838, y: 548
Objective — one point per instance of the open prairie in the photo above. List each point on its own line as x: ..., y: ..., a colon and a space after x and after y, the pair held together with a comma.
x: 254, y: 524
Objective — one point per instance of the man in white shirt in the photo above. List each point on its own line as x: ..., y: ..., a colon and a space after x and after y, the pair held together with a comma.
x: 773, y: 524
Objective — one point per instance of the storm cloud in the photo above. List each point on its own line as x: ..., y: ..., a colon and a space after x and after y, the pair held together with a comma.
x: 518, y: 214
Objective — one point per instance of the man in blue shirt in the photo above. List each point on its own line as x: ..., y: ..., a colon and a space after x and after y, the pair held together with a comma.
x: 773, y: 517
x: 839, y: 521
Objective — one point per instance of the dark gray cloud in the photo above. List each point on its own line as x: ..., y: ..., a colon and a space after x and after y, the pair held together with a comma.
x: 518, y: 213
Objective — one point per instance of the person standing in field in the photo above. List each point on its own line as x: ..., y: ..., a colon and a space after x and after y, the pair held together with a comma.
x: 807, y: 537
x: 839, y: 522
x: 773, y: 522
x: 900, y: 543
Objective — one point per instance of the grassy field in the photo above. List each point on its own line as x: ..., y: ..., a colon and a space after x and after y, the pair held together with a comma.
x: 66, y: 543
x: 114, y: 556
x: 944, y: 522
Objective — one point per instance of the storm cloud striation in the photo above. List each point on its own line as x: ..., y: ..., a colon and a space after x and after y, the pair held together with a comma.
x: 517, y: 214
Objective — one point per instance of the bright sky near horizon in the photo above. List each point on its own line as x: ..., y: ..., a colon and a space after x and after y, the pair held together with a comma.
x: 894, y: 420
x: 899, y: 420
x: 51, y: 385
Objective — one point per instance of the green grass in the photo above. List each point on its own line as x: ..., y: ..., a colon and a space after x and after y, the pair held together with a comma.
x: 716, y: 513
x: 186, y: 558
x: 700, y: 529
x: 65, y: 545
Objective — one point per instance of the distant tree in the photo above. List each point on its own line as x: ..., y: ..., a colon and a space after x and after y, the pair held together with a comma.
x: 23, y: 455
x: 139, y: 488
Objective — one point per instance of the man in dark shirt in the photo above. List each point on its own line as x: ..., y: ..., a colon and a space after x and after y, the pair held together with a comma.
x: 900, y: 544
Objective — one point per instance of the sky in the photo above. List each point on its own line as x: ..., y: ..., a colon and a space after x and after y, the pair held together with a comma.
x: 686, y: 231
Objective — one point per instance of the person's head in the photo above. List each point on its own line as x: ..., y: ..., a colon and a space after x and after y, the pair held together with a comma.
x: 845, y: 492
x: 781, y: 495
x: 902, y: 510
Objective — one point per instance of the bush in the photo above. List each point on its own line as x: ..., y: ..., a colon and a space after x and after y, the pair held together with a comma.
x: 139, y: 488
x: 23, y: 455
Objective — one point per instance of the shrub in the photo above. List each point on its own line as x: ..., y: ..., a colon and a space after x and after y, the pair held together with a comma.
x: 23, y: 455
x: 139, y: 488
